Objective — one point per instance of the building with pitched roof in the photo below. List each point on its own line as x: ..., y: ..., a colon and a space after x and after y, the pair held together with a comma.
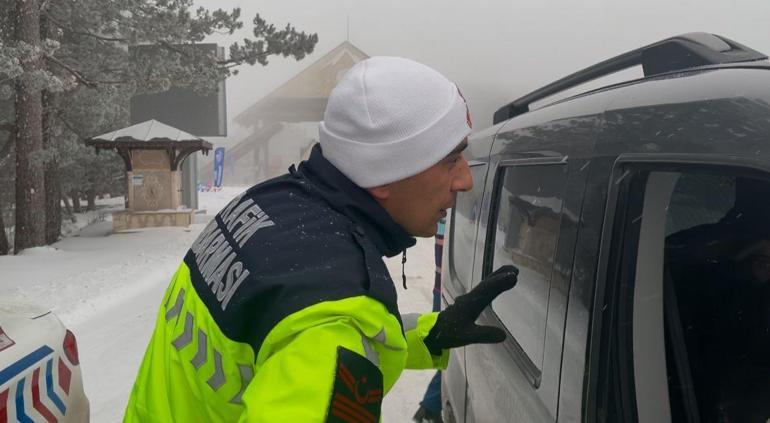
x: 283, y: 125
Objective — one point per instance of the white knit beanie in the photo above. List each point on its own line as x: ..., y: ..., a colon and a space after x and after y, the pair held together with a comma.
x: 390, y: 118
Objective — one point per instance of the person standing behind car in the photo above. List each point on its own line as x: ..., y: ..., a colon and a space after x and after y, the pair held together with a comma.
x: 283, y: 309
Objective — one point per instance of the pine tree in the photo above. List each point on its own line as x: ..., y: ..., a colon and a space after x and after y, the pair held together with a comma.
x: 30, y: 190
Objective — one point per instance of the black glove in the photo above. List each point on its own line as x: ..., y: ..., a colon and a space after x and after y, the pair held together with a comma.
x: 456, y: 327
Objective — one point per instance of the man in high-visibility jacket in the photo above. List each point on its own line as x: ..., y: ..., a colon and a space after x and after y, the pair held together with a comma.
x: 283, y: 310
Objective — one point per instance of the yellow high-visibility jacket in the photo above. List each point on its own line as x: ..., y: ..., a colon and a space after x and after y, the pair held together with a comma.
x: 283, y: 311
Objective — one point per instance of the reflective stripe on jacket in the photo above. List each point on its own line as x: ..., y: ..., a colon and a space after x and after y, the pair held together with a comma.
x: 193, y: 373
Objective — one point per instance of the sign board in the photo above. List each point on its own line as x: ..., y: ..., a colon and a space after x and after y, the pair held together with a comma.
x: 182, y: 107
x: 219, y: 166
x: 137, y: 180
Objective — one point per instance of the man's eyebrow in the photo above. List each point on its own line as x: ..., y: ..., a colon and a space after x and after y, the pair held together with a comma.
x: 459, y: 149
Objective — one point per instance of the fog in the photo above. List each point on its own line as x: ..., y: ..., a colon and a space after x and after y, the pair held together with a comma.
x: 494, y: 50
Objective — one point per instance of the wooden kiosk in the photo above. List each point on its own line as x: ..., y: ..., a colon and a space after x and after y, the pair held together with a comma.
x: 153, y: 153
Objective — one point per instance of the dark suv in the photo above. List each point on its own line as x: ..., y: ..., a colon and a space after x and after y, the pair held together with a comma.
x: 638, y: 215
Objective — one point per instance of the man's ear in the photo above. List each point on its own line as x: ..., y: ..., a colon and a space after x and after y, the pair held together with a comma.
x: 380, y: 193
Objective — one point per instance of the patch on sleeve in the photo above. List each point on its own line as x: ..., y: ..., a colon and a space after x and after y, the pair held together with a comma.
x: 357, y: 393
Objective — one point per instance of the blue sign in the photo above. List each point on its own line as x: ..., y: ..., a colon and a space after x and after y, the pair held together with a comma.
x: 219, y: 166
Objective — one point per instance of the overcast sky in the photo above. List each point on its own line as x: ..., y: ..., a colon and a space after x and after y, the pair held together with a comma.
x: 496, y: 50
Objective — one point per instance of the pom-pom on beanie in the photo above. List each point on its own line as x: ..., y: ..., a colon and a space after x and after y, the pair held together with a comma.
x: 390, y: 118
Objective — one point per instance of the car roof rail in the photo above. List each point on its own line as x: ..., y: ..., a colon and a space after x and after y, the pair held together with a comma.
x: 672, y: 54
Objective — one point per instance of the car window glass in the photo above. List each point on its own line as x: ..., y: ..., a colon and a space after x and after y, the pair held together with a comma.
x: 701, y: 297
x: 688, y: 209
x: 529, y: 209
x: 465, y: 216
x: 719, y: 301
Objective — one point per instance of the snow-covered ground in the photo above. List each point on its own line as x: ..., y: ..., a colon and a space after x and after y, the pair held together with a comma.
x: 107, y: 288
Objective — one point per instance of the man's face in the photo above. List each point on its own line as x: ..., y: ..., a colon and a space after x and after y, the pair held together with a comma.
x: 760, y: 269
x: 418, y: 202
x: 756, y: 266
x: 760, y: 263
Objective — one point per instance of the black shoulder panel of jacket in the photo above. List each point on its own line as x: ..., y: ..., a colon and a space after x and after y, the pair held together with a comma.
x: 357, y: 393
x: 277, y: 249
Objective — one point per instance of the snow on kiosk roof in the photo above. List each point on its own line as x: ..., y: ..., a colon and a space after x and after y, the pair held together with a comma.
x: 150, y: 135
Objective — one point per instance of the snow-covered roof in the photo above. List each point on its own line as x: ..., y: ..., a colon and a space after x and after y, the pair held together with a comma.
x: 148, y: 131
x: 303, y: 97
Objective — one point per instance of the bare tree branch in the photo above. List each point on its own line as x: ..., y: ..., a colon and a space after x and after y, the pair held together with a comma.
x: 75, y: 73
x: 171, y: 47
x: 84, y: 33
x: 241, y: 59
x: 68, y: 125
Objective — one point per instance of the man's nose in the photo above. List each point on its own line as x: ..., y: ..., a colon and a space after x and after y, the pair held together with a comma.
x: 463, y: 181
